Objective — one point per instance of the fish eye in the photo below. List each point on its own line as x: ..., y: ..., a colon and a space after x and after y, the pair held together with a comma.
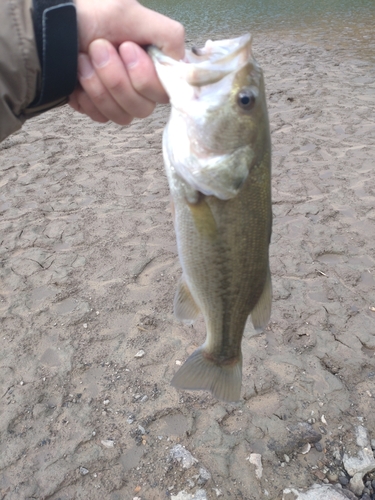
x: 246, y: 99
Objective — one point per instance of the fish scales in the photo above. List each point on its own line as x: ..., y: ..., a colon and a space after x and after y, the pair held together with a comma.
x: 226, y: 274
x: 217, y: 155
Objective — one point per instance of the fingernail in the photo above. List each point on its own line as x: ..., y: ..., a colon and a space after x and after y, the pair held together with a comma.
x: 85, y: 69
x: 129, y: 55
x: 99, y: 54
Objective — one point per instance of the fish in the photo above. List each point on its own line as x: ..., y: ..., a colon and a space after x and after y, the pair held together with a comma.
x: 217, y: 156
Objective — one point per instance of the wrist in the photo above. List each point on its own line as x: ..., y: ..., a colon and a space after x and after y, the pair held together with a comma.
x: 55, y: 27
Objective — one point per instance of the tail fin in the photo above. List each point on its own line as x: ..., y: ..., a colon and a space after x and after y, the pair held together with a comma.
x: 200, y: 373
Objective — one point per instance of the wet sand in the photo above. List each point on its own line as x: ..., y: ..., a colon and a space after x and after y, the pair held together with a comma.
x: 88, y: 273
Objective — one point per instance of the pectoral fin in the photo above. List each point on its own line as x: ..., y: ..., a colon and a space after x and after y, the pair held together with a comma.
x: 203, y: 218
x: 185, y: 308
x: 261, y: 313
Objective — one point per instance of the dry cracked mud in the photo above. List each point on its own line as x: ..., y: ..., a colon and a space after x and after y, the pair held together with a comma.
x: 88, y: 273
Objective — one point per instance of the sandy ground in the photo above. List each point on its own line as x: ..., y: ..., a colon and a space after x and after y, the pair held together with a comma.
x: 88, y: 273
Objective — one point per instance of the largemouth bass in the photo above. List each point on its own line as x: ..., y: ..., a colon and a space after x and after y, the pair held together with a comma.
x: 217, y: 155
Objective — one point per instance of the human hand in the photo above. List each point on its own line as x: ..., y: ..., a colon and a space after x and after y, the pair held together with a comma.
x: 117, y: 77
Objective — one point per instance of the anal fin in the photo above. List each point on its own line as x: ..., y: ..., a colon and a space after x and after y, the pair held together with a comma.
x: 185, y: 308
x: 261, y: 313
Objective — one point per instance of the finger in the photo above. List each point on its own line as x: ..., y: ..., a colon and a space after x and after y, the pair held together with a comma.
x: 113, y: 75
x: 81, y: 102
x: 142, y: 73
x: 73, y: 101
x: 98, y: 94
x: 150, y: 27
x: 127, y: 20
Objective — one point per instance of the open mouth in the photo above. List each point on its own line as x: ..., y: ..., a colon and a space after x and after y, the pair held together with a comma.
x: 208, y: 65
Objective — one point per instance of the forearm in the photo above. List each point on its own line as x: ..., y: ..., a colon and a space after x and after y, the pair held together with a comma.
x: 39, y: 41
x: 19, y: 63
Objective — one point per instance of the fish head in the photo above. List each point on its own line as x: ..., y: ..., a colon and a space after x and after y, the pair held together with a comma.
x: 218, y: 121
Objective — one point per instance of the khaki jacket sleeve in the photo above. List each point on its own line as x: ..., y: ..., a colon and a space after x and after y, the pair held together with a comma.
x: 19, y: 64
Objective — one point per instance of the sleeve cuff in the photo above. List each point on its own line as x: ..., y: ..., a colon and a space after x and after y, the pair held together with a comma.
x: 56, y: 33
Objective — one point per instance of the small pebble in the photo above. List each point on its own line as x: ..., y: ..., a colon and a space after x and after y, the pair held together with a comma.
x: 337, y: 455
x: 366, y: 496
x: 373, y: 484
x: 319, y: 474
x: 343, y: 480
x: 108, y: 443
x: 306, y: 448
x: 83, y: 471
x: 204, y: 476
x: 332, y: 477
x: 141, y: 429
x: 183, y: 456
x: 318, y: 447
x: 140, y: 354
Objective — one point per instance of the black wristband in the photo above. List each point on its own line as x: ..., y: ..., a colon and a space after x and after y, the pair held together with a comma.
x: 56, y: 33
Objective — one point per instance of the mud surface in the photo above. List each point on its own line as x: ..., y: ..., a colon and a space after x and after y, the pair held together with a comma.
x: 88, y: 273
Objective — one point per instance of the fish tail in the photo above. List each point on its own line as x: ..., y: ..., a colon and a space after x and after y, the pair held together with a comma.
x: 201, y: 373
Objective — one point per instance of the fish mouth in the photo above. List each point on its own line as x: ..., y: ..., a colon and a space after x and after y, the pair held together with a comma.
x: 198, y: 87
x: 209, y: 64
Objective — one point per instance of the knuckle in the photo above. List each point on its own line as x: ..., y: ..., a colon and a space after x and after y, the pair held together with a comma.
x: 163, y: 99
x: 179, y: 32
x: 141, y: 83
x: 99, y: 118
x: 115, y: 85
x: 98, y: 95
x: 124, y: 120
x: 145, y: 110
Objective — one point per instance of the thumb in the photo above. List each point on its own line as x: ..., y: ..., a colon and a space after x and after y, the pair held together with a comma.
x: 121, y: 21
x: 152, y: 28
